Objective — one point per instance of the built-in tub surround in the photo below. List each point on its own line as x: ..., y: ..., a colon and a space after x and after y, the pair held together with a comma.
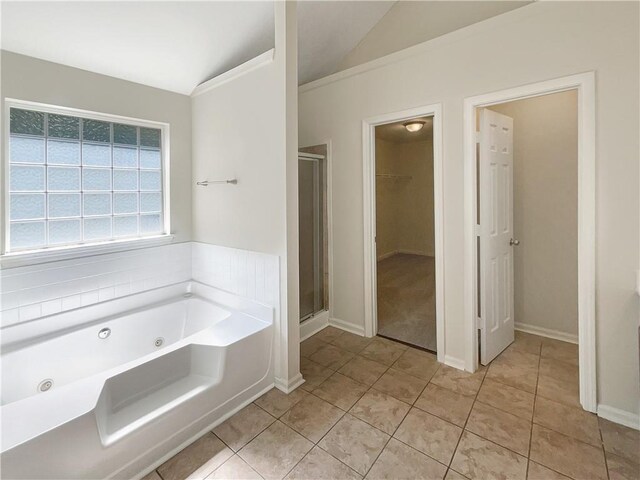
x: 139, y: 376
x: 34, y: 291
x: 108, y: 368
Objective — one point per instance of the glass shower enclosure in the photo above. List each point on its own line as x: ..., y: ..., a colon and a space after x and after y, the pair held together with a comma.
x: 312, y: 241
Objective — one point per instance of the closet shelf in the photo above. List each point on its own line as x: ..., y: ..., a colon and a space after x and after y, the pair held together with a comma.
x: 391, y: 175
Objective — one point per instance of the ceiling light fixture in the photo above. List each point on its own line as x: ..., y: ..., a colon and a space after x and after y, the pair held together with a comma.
x: 414, y: 125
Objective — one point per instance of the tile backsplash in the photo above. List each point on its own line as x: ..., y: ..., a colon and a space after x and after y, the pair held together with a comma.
x: 35, y: 291
x: 247, y: 274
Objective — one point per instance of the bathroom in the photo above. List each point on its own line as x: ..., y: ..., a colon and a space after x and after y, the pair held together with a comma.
x: 188, y: 238
x: 137, y: 304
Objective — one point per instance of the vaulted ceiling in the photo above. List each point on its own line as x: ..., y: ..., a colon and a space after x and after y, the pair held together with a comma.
x: 169, y: 45
x: 328, y: 31
x: 176, y: 45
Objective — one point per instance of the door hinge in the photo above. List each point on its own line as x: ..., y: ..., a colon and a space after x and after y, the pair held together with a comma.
x: 478, y: 136
x: 479, y: 323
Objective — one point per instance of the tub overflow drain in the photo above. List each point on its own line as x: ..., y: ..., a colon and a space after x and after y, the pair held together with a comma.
x: 158, y: 342
x: 45, y: 385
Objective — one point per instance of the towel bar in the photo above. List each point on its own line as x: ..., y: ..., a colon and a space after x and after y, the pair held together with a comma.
x: 205, y: 183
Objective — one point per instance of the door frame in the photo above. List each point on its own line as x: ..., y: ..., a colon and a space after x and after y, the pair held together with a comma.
x: 369, y: 210
x: 320, y: 184
x: 584, y: 83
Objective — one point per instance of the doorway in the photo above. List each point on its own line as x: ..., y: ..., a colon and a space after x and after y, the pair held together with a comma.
x: 529, y: 173
x: 403, y: 228
x: 405, y: 239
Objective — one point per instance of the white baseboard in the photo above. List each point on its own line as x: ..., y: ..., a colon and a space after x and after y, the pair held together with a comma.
x: 454, y: 362
x: 615, y: 415
x: 421, y: 253
x: 288, y: 386
x: 406, y: 252
x: 347, y: 326
x: 546, y: 332
x: 313, y: 325
x: 387, y: 255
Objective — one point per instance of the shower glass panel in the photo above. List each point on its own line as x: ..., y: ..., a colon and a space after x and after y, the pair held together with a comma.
x: 311, y: 238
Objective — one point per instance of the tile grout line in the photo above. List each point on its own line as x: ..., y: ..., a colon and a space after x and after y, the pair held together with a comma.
x: 370, y: 387
x: 248, y: 441
x: 532, y: 422
x: 401, y: 421
x: 539, y: 355
x: 464, y: 427
x: 604, y: 452
x: 412, y: 405
x: 237, y: 453
x: 316, y: 444
x: 548, y: 428
x: 533, y: 413
x: 343, y: 411
x: 296, y: 464
x: 334, y: 405
x: 535, y: 395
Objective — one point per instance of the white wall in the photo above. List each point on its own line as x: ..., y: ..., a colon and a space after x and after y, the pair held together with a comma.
x: 27, y: 78
x: 545, y: 210
x: 33, y: 291
x: 241, y: 130
x: 387, y: 199
x: 538, y: 42
x: 237, y: 133
x: 404, y: 205
x: 416, y: 226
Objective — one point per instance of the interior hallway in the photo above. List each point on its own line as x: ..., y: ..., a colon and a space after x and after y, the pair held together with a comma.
x: 406, y: 299
x: 377, y: 409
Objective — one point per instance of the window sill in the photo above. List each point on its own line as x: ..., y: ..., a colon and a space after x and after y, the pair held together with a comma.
x: 34, y: 257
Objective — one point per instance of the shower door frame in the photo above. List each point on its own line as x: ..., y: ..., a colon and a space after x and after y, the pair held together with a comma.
x: 318, y: 243
x: 369, y: 210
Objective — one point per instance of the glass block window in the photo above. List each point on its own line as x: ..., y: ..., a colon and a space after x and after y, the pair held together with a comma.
x: 76, y: 180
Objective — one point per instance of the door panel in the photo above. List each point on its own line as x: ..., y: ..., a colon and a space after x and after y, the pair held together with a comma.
x: 496, y: 231
x: 310, y: 225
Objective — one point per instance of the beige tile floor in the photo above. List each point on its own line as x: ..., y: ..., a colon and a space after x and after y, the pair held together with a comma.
x: 377, y: 409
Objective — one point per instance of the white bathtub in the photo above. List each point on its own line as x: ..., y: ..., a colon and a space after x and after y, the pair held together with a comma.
x: 77, y: 403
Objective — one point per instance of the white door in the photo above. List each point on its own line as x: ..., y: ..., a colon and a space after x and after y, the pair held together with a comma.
x: 496, y: 233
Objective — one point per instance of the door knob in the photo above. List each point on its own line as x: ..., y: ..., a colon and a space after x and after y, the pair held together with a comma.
x: 513, y: 242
